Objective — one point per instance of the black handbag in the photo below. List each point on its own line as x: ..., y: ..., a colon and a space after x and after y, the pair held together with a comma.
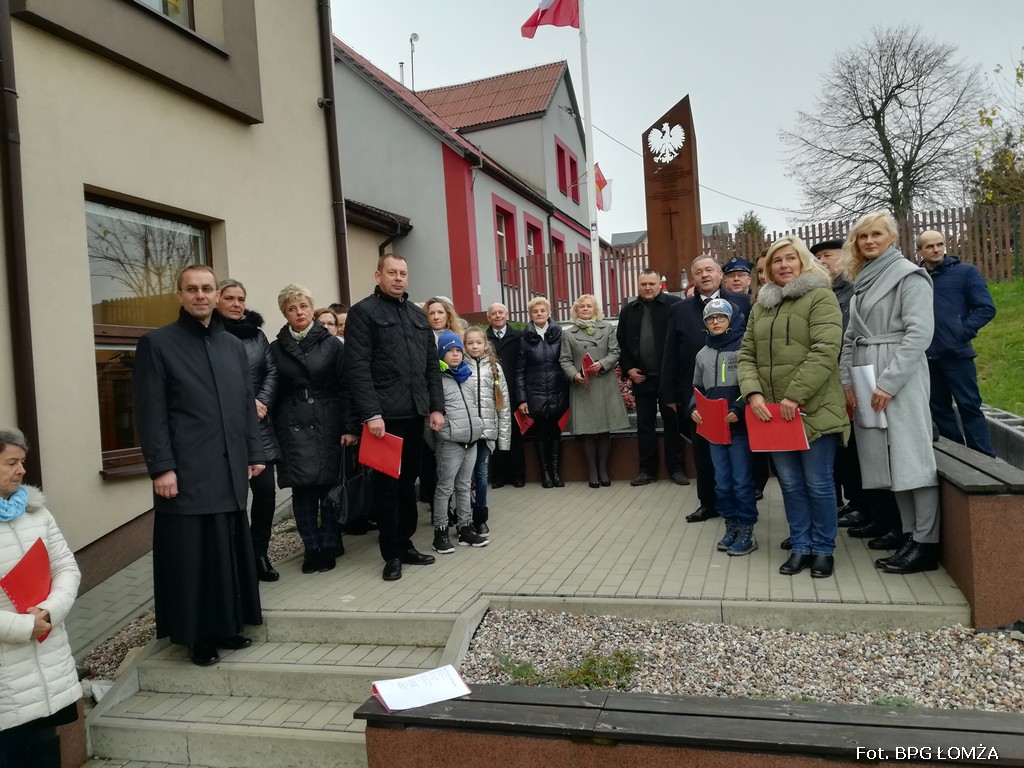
x: 350, y: 499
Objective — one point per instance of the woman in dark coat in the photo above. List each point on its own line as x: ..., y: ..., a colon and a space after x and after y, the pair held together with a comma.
x: 308, y: 420
x: 541, y: 390
x: 244, y: 324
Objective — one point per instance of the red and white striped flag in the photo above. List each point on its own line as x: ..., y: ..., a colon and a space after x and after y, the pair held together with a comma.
x: 554, y: 13
x: 604, y: 189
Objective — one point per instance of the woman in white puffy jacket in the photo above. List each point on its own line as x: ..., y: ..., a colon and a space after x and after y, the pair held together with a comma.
x: 491, y: 392
x: 39, y: 686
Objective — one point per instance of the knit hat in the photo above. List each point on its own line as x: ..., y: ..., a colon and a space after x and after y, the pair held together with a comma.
x: 718, y: 307
x: 448, y: 340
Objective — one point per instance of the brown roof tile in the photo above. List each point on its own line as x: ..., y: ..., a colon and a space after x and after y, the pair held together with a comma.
x: 495, y: 99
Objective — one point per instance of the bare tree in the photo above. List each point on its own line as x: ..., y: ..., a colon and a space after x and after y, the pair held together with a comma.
x: 895, y: 127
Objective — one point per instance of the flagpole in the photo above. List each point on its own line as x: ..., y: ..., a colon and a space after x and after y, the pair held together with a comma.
x: 588, y: 132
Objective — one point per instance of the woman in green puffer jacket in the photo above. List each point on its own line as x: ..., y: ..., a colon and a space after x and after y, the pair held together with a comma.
x: 790, y: 356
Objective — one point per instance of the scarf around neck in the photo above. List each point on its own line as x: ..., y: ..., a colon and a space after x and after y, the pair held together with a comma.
x: 874, y: 269
x: 460, y: 372
x: 590, y: 326
x: 14, y: 506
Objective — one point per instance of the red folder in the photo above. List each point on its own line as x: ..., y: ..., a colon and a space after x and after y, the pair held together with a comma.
x: 28, y: 582
x: 713, y: 427
x: 564, y: 420
x: 524, y: 420
x: 381, y: 453
x: 777, y: 434
x: 587, y: 362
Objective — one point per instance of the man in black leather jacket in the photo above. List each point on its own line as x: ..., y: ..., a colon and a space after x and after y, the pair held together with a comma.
x: 394, y: 382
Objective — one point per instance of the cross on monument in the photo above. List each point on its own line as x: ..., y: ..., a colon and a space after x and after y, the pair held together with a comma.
x: 670, y: 213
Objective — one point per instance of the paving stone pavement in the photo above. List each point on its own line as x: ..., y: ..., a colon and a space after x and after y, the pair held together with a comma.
x: 618, y: 543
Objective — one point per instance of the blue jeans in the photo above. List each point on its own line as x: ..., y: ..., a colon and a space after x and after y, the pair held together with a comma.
x: 957, y: 379
x: 809, y: 494
x: 734, y: 481
x: 480, y: 475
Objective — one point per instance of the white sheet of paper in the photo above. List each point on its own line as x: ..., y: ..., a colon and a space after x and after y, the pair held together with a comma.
x: 419, y: 690
x: 863, y: 388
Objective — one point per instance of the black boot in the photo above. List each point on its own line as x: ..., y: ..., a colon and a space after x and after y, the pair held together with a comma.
x: 898, y: 554
x: 311, y: 561
x: 545, y: 464
x: 556, y: 457
x: 480, y: 521
x: 918, y: 557
x: 264, y: 570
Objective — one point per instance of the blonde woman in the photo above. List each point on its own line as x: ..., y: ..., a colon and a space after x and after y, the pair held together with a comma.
x: 790, y: 356
x: 891, y: 325
x: 595, y: 401
x: 308, y: 420
x: 541, y: 390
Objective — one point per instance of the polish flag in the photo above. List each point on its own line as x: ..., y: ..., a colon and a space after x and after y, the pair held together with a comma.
x: 604, y: 190
x: 554, y: 13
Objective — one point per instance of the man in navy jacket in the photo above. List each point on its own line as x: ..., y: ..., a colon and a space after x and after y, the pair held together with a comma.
x: 684, y: 338
x: 963, y: 306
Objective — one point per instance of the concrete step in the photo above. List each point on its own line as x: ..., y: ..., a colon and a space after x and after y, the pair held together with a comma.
x: 310, y: 671
x: 221, y: 731
x: 356, y: 628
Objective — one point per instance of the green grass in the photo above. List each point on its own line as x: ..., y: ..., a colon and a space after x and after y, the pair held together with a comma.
x: 594, y: 672
x: 894, y: 701
x: 1000, y: 347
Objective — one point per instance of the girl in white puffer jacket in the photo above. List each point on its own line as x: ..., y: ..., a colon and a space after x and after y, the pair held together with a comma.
x: 492, y: 403
x: 39, y: 686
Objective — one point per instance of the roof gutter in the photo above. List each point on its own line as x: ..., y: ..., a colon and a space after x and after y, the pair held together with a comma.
x: 16, y: 250
x: 327, y: 103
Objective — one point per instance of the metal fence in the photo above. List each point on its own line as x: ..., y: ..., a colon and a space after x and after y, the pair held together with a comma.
x: 989, y: 237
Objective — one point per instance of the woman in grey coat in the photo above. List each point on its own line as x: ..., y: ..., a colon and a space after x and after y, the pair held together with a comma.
x: 891, y: 325
x: 595, y: 405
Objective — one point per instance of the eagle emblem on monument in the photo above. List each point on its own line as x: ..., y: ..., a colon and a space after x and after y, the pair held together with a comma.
x: 665, y: 142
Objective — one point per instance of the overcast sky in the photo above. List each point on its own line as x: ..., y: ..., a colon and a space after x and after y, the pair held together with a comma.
x: 748, y: 66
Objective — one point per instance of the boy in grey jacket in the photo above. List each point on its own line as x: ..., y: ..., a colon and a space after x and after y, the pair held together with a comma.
x: 455, y: 448
x: 714, y: 375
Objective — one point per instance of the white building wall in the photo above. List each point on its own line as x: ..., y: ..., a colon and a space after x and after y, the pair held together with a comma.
x: 90, y: 125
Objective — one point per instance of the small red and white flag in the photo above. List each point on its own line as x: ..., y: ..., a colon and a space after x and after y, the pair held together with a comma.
x: 554, y: 13
x: 604, y: 189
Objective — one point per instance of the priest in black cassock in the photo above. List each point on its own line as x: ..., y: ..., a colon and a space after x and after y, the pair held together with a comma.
x: 196, y: 417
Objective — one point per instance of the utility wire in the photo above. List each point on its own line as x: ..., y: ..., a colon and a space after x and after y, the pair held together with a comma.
x: 702, y: 186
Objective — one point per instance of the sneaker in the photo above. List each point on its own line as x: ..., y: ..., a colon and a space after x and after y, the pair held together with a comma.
x: 482, y: 529
x: 469, y: 538
x: 745, y: 543
x: 442, y: 544
x: 731, y: 531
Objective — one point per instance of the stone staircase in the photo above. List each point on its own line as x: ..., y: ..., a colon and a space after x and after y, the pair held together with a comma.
x: 284, y: 702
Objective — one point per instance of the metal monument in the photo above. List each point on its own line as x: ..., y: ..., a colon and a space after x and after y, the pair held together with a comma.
x: 673, y: 197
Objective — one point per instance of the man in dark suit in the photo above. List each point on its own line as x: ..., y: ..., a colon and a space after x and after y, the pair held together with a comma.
x: 506, y: 466
x: 194, y: 407
x: 684, y: 338
x: 641, y: 335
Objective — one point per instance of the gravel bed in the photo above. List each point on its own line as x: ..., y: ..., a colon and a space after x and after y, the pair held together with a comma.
x: 950, y: 668
x: 102, y: 661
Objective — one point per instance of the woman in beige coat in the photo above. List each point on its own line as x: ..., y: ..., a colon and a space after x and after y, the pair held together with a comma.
x: 595, y: 405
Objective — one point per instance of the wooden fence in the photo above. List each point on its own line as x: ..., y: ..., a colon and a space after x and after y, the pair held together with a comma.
x: 990, y: 237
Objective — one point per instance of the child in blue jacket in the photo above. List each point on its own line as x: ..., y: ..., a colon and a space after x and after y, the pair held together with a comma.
x: 714, y: 375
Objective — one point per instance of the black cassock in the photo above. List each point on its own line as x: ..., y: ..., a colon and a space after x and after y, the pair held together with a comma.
x: 195, y: 412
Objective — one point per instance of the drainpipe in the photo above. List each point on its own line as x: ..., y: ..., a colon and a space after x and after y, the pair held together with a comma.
x: 16, y: 250
x: 391, y: 238
x: 327, y: 104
